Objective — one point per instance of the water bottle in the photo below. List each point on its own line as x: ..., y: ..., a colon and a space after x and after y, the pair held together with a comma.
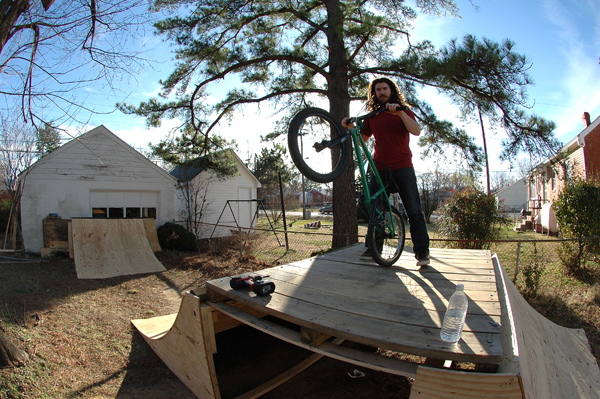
x: 454, y: 320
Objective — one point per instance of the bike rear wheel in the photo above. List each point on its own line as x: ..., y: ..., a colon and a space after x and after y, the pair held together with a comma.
x: 385, y: 246
x: 311, y: 140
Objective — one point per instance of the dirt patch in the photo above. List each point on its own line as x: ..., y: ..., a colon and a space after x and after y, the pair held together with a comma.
x: 82, y: 344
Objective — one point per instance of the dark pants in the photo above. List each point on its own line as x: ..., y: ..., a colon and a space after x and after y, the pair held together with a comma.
x: 409, y: 193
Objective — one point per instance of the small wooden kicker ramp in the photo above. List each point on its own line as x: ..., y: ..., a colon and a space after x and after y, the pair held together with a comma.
x: 104, y: 248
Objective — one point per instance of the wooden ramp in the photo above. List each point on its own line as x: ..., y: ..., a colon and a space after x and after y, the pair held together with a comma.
x: 552, y: 361
x: 537, y: 358
x: 104, y: 248
x: 541, y: 359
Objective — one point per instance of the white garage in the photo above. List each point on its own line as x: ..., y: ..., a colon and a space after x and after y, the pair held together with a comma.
x: 95, y: 175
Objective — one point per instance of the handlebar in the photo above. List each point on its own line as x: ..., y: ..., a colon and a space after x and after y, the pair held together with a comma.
x: 377, y: 111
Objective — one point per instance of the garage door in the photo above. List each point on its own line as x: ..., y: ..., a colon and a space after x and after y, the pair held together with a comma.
x: 124, y: 204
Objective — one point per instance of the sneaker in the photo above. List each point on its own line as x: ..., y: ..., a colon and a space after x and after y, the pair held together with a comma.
x: 366, y: 255
x: 422, y: 257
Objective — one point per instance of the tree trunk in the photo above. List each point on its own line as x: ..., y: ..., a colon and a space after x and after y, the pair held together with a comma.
x: 10, y: 355
x: 345, y: 226
x: 487, y: 165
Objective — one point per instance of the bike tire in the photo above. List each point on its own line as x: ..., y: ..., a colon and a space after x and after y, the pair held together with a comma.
x: 312, y: 125
x: 386, y: 250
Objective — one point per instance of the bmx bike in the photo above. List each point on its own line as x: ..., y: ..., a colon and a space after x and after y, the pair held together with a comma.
x: 320, y: 147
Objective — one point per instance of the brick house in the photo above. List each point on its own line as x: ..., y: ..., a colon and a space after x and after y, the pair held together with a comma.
x: 579, y: 158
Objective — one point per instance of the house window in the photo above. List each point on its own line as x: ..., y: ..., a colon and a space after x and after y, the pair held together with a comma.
x: 115, y: 212
x: 99, y: 213
x: 149, y: 213
x: 124, y: 204
x: 133, y: 212
x: 130, y: 213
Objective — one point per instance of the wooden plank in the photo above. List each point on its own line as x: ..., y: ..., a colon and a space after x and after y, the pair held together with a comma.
x: 59, y: 245
x: 282, y: 378
x: 393, y: 335
x: 182, y: 346
x: 437, y: 383
x: 106, y: 248
x: 437, y: 255
x: 424, y: 293
x: 70, y: 235
x: 554, y: 361
x: 150, y: 228
x: 479, y: 277
x: 312, y: 337
x: 359, y: 358
x: 381, y: 307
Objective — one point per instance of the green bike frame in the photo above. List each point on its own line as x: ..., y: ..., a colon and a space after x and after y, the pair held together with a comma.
x: 375, y: 214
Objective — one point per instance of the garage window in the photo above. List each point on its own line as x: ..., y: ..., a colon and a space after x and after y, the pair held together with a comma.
x: 129, y: 213
x: 133, y: 212
x: 124, y: 204
x: 99, y: 213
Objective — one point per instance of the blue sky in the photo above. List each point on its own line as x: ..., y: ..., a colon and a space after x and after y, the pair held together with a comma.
x: 560, y: 37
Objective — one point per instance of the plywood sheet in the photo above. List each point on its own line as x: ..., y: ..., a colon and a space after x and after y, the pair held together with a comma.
x: 433, y: 383
x: 152, y: 235
x: 180, y: 341
x: 553, y: 361
x: 104, y: 248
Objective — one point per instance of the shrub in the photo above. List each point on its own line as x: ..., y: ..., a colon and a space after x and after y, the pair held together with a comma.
x: 175, y: 237
x: 470, y: 215
x: 577, y: 214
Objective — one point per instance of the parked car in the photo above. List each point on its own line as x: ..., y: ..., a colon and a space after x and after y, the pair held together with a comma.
x: 326, y: 209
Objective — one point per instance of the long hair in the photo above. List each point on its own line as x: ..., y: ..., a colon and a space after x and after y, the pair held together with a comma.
x: 397, y: 96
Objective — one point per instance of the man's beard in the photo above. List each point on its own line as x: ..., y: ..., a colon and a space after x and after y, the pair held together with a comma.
x: 382, y: 102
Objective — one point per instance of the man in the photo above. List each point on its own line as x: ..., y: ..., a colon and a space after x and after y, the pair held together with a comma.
x: 391, y: 132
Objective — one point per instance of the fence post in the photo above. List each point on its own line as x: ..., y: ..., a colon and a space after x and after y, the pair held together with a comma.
x: 287, y: 245
x: 241, y: 243
x: 518, y: 256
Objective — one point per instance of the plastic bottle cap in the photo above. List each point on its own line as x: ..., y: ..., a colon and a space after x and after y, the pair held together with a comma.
x: 460, y: 287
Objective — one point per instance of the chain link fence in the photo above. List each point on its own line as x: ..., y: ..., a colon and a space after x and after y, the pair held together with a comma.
x: 530, y: 263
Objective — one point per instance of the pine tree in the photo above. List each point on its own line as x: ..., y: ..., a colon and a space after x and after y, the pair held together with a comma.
x: 295, y: 53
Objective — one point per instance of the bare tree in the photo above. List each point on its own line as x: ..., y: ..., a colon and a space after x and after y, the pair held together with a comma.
x: 432, y: 188
x: 51, y: 48
x: 501, y: 179
x: 197, y: 205
x: 17, y: 153
x: 17, y: 149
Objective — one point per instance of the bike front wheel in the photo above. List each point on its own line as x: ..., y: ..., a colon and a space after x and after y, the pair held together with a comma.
x: 386, y: 236
x: 318, y: 145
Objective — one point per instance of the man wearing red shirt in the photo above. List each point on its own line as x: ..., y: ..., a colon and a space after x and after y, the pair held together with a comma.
x: 391, y: 130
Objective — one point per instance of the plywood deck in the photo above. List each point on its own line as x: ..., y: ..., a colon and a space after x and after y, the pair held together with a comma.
x: 400, y: 308
x: 104, y: 248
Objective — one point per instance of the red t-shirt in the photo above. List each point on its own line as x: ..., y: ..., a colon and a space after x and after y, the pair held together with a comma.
x: 391, y: 140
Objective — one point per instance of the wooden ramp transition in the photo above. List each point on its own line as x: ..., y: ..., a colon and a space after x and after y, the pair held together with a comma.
x: 539, y: 358
x: 104, y: 248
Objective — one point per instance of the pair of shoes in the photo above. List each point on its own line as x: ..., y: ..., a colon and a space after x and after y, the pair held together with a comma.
x: 422, y: 257
x: 366, y: 255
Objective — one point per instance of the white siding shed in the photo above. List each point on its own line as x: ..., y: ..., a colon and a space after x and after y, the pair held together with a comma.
x: 95, y: 174
x: 239, y: 190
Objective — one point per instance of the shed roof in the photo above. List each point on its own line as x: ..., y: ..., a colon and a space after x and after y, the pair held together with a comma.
x: 60, y: 151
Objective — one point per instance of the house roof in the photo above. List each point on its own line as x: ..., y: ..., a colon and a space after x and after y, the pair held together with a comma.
x: 188, y: 172
x: 575, y: 143
x: 98, y: 130
x: 579, y: 140
x: 520, y: 181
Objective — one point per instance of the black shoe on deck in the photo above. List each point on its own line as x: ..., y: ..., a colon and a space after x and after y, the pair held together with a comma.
x: 422, y: 257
